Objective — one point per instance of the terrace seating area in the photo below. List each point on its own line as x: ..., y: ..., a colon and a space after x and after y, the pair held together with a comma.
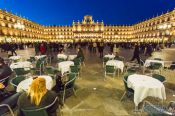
x: 103, y: 87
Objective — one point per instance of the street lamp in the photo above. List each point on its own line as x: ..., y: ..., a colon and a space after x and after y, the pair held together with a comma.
x: 19, y: 26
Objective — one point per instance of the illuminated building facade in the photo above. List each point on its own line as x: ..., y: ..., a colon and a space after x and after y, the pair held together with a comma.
x: 17, y: 29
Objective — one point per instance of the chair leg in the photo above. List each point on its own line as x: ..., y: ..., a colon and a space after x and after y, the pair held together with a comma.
x: 123, y: 96
x: 74, y: 92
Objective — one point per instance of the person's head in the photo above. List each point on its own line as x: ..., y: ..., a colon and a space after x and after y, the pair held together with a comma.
x: 37, y: 90
x: 1, y: 61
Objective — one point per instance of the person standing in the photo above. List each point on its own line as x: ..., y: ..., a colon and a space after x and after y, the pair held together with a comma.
x: 101, y: 48
x: 94, y: 47
x: 42, y: 49
x: 136, y: 54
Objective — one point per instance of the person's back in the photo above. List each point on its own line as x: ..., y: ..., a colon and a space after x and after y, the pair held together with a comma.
x: 36, y: 97
x: 25, y: 103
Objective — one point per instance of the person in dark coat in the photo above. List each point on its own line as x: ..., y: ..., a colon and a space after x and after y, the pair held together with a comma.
x: 37, y: 96
x: 101, y: 48
x: 80, y: 54
x: 136, y: 54
x: 5, y: 71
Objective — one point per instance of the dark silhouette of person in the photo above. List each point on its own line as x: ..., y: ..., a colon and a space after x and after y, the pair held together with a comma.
x: 136, y: 54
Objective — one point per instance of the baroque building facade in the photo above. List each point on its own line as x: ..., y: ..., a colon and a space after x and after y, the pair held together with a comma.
x: 14, y: 28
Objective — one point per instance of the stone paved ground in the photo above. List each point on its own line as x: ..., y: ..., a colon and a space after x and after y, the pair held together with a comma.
x: 105, y: 100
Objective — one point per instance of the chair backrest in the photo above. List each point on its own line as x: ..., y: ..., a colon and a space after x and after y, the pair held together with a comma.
x: 105, y: 59
x: 77, y: 61
x: 71, y: 81
x: 74, y: 69
x: 19, y: 71
x: 155, y: 110
x: 120, y: 58
x: 125, y: 78
x: 39, y: 63
x: 110, y: 69
x: 15, y: 81
x: 39, y: 111
x: 156, y: 65
x: 159, y: 77
x: 158, y: 59
x: 9, y: 108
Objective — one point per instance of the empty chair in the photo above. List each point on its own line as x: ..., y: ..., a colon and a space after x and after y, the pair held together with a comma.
x: 172, y: 66
x: 74, y: 69
x: 51, y: 71
x: 120, y: 58
x: 109, y: 70
x: 155, y: 110
x: 8, y: 107
x: 77, y: 62
x: 159, y: 77
x: 69, y: 86
x: 105, y: 59
x: 39, y: 111
x: 155, y: 67
x: 128, y: 91
x: 15, y: 81
x: 39, y: 66
x: 21, y: 71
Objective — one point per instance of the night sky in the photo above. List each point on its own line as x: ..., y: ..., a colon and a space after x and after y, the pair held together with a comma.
x: 63, y: 12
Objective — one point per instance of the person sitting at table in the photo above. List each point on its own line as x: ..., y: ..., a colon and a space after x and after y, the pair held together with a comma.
x: 116, y: 56
x: 5, y: 71
x: 37, y: 96
x: 80, y: 54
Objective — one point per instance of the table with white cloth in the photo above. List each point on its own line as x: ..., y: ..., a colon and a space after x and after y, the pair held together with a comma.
x: 15, y: 58
x: 116, y: 63
x: 72, y: 57
x: 145, y: 86
x: 65, y: 66
x: 149, y: 61
x: 62, y: 56
x: 24, y: 85
x: 40, y: 56
x: 110, y: 56
x: 25, y: 64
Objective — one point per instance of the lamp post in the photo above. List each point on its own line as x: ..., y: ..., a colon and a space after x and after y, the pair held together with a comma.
x: 19, y: 26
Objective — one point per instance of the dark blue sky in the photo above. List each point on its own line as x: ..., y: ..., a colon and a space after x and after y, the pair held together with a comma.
x: 63, y: 12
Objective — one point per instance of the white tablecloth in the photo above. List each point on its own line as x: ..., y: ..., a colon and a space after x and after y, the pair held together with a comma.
x: 40, y: 56
x: 145, y: 86
x: 71, y: 57
x: 15, y: 57
x: 116, y: 64
x: 26, y: 65
x: 110, y: 56
x: 148, y: 62
x: 24, y: 85
x: 62, y: 56
x: 65, y: 66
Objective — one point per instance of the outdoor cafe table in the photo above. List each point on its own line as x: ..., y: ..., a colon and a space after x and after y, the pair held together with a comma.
x: 40, y: 56
x: 145, y: 86
x: 116, y: 63
x: 149, y: 61
x: 62, y: 56
x: 112, y: 56
x: 25, y: 64
x: 71, y: 57
x: 24, y: 85
x: 65, y: 66
x: 15, y: 58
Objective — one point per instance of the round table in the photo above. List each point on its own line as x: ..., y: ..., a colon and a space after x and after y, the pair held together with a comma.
x: 62, y: 56
x: 26, y: 65
x: 40, y: 56
x: 116, y: 64
x: 65, y: 66
x: 110, y: 56
x: 149, y: 61
x: 145, y: 86
x: 15, y: 58
x: 24, y: 85
x: 72, y: 57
